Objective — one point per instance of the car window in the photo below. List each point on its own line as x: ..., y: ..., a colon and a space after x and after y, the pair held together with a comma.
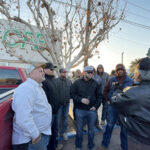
x: 9, y: 77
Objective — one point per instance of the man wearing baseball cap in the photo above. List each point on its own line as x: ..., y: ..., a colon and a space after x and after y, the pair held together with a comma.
x: 32, y: 113
x: 64, y: 85
x: 87, y: 97
x: 51, y: 90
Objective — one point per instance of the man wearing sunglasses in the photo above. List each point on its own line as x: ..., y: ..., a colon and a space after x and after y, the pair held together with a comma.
x: 86, y: 93
x: 51, y: 90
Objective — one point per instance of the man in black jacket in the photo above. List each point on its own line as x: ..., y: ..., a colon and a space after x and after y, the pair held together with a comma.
x: 63, y: 84
x: 87, y: 96
x: 50, y: 88
x: 134, y: 109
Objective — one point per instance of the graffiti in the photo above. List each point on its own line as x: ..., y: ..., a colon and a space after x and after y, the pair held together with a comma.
x: 8, y: 36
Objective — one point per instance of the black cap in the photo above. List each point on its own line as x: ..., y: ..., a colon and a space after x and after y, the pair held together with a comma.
x: 144, y: 64
x: 62, y: 70
x: 50, y: 66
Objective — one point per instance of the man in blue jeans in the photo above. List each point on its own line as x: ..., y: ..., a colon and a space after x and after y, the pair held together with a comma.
x: 32, y: 113
x: 87, y: 95
x: 63, y: 85
x: 115, y: 85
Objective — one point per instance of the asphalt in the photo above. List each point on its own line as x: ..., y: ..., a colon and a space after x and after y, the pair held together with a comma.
x: 114, y: 144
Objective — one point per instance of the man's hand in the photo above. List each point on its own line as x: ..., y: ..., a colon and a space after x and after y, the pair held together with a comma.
x: 85, y: 101
x: 93, y: 108
x: 108, y: 102
x: 34, y: 141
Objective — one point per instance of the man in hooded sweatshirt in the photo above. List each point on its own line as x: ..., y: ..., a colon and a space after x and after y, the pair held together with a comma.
x: 115, y: 85
x: 104, y: 76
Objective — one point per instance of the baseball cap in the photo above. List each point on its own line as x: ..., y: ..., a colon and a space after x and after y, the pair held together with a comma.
x: 88, y: 68
x: 33, y: 66
x: 62, y: 70
x: 49, y: 65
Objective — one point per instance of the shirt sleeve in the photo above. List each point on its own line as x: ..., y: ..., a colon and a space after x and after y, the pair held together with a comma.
x: 22, y: 105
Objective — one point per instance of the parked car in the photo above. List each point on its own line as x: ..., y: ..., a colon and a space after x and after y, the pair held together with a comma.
x: 10, y: 78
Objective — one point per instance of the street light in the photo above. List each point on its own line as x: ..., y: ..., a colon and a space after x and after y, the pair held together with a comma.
x: 122, y: 57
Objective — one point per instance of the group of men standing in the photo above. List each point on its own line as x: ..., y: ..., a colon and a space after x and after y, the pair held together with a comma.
x: 43, y: 100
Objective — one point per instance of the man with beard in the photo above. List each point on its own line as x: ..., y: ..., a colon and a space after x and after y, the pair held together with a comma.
x: 133, y: 106
x: 87, y: 96
x: 50, y: 88
x: 116, y: 84
x: 64, y: 85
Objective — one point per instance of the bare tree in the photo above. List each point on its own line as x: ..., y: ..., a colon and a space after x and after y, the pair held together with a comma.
x: 83, y: 25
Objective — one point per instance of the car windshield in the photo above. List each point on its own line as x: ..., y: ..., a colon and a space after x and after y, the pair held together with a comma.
x: 9, y: 77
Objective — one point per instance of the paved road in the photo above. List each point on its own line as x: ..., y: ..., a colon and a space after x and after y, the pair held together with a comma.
x: 114, y: 145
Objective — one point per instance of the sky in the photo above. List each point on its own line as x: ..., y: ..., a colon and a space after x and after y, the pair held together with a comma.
x: 132, y: 40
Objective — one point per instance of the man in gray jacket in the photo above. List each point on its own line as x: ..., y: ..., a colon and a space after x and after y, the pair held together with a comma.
x: 104, y: 78
x: 63, y: 85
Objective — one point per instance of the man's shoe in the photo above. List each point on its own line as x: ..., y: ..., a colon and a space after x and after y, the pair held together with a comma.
x: 99, y: 127
x: 65, y: 137
x: 103, y: 148
x: 59, y: 147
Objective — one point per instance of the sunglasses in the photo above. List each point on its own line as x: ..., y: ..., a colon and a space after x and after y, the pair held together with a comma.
x: 89, y: 72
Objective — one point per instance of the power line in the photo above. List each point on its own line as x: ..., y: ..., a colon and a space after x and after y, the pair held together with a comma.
x: 147, y: 18
x: 126, y: 21
x: 136, y: 24
x: 135, y: 5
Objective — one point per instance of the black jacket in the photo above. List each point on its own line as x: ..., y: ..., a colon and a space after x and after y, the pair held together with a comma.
x: 86, y: 89
x: 134, y: 111
x: 64, y: 86
x: 50, y: 88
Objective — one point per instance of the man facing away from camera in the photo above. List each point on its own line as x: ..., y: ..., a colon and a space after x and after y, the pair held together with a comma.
x: 133, y: 106
x: 87, y: 96
x: 32, y: 113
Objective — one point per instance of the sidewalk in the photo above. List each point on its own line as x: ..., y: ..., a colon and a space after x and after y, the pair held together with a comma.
x: 114, y: 145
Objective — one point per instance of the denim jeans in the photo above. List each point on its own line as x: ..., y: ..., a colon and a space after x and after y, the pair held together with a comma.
x: 53, y: 140
x: 81, y: 115
x: 62, y: 116
x: 111, y: 120
x: 20, y: 146
x: 41, y: 145
x: 104, y: 110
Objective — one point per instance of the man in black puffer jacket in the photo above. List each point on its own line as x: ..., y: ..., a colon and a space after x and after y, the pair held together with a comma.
x: 133, y: 107
x: 50, y: 88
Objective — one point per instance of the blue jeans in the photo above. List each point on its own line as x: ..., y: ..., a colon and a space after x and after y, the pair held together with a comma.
x: 81, y: 115
x: 111, y: 120
x: 62, y: 116
x: 41, y: 145
x: 104, y: 110
x: 53, y: 140
x: 20, y: 146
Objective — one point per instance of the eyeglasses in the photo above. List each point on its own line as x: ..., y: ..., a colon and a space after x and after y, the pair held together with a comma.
x: 89, y: 72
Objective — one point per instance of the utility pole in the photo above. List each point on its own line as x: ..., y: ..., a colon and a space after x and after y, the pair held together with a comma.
x: 122, y: 57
